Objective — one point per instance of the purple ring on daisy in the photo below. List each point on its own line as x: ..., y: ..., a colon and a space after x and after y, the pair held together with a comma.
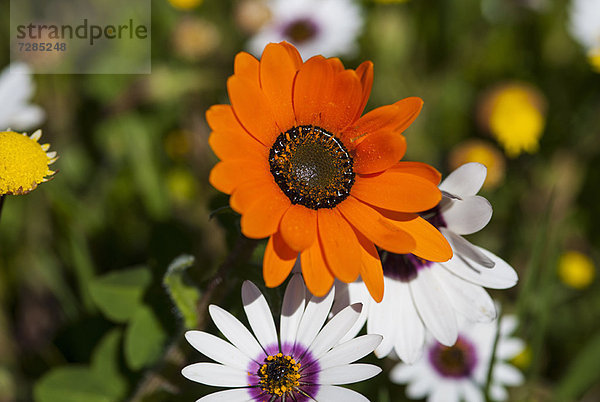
x: 305, y: 362
x: 424, y: 296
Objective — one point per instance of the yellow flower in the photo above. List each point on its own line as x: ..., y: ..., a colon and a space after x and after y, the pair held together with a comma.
x: 576, y: 270
x: 523, y: 359
x: 482, y: 152
x: 24, y: 163
x: 185, y: 4
x: 515, y: 116
x: 594, y: 59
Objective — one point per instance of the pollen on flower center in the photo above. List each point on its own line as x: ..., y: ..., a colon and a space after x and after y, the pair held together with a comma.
x: 457, y: 361
x: 312, y: 167
x: 279, y: 374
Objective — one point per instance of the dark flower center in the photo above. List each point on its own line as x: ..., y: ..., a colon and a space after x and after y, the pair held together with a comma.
x: 300, y: 30
x: 312, y: 167
x: 457, y: 361
x: 279, y: 375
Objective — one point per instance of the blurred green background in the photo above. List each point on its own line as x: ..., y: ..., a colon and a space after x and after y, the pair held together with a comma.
x: 86, y: 311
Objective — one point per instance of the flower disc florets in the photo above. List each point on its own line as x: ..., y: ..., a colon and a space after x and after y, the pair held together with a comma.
x: 279, y: 374
x: 456, y: 361
x: 312, y: 167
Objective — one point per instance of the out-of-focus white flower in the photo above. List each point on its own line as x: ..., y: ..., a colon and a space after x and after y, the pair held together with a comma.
x: 422, y: 295
x: 315, y: 27
x: 302, y: 364
x: 584, y: 25
x: 459, y: 372
x: 16, y: 89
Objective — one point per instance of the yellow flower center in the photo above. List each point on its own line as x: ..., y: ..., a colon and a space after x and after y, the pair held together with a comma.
x: 279, y: 375
x: 185, y: 4
x: 576, y: 270
x: 516, y: 121
x: 23, y: 163
x: 594, y: 59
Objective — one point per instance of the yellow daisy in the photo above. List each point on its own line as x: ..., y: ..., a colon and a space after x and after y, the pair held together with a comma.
x: 24, y: 162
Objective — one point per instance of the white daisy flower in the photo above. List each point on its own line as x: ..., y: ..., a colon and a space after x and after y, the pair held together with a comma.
x: 459, y: 372
x: 325, y: 27
x: 16, y: 88
x: 423, y: 295
x: 301, y: 365
x: 584, y: 24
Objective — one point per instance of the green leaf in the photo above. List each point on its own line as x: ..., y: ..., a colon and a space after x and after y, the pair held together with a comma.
x: 184, y: 296
x: 119, y: 294
x: 583, y: 372
x: 144, y: 339
x: 73, y: 384
x: 105, y: 363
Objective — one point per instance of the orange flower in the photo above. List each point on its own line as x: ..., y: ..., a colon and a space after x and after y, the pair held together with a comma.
x: 305, y: 169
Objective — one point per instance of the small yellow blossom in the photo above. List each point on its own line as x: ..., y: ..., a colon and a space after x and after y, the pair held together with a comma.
x: 576, y: 269
x: 185, y: 4
x: 516, y: 119
x: 182, y: 185
x: 482, y: 152
x: 195, y: 38
x: 594, y: 59
x: 523, y: 359
x: 24, y: 163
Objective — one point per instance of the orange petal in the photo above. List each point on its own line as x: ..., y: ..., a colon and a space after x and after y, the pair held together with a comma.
x: 371, y: 270
x: 226, y: 176
x: 222, y: 119
x: 396, y: 118
x: 316, y: 275
x: 278, y: 261
x: 253, y: 109
x: 336, y: 64
x: 277, y: 73
x: 245, y: 194
x: 397, y: 191
x: 343, y: 103
x: 261, y: 219
x: 312, y: 89
x: 365, y: 73
x: 235, y: 145
x: 420, y: 169
x: 298, y: 227
x: 379, y: 152
x: 431, y: 245
x: 377, y: 228
x: 293, y: 54
x: 246, y: 65
x: 339, y: 245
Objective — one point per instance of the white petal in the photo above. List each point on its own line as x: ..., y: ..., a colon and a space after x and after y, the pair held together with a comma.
x: 350, y: 351
x: 291, y: 311
x: 469, y: 299
x: 330, y: 393
x: 217, y: 349
x: 410, y: 334
x: 498, y: 392
x: 507, y: 374
x: 403, y: 373
x: 313, y: 318
x: 468, y: 216
x: 508, y: 324
x: 509, y: 348
x: 216, y: 375
x: 384, y: 319
x: 501, y: 276
x: 444, y: 391
x: 27, y: 117
x: 348, y: 374
x: 235, y: 332
x: 229, y: 395
x: 259, y: 316
x: 471, y: 392
x: 350, y: 293
x: 419, y: 388
x: 433, y: 306
x: 333, y: 331
x: 466, y: 180
x: 464, y: 250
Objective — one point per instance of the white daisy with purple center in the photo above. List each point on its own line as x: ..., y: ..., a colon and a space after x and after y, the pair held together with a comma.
x: 305, y: 363
x: 422, y: 296
x: 459, y: 372
x: 314, y: 27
